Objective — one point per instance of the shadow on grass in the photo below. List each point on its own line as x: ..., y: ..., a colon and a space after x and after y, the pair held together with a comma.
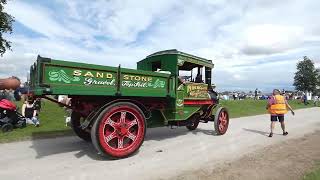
x: 49, y: 143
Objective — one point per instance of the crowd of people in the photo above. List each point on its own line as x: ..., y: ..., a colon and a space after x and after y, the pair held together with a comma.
x: 257, y: 95
x: 7, y: 94
x: 14, y: 95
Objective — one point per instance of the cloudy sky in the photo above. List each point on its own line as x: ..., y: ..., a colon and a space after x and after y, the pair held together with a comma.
x: 252, y: 43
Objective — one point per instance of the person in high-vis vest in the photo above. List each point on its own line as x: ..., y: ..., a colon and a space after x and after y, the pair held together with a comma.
x: 278, y: 107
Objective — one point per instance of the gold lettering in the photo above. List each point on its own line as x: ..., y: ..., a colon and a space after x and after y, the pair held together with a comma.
x: 137, y: 78
x: 126, y: 77
x: 99, y: 75
x: 143, y: 78
x: 109, y: 76
x: 131, y: 77
x: 77, y: 72
x: 89, y: 74
x: 149, y: 79
x: 189, y: 88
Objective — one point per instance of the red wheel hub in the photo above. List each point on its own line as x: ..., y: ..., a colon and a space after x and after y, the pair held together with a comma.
x: 121, y: 131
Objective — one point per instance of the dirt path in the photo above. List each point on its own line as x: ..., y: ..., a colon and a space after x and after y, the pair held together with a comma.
x: 288, y: 160
x: 166, y: 153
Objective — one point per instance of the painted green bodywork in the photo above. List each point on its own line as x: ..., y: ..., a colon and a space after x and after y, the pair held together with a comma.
x: 50, y: 77
x: 63, y: 77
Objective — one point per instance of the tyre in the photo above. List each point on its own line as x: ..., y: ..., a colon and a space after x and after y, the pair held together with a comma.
x: 195, y: 119
x: 75, y: 124
x: 119, y: 130
x: 7, y: 127
x: 221, y: 121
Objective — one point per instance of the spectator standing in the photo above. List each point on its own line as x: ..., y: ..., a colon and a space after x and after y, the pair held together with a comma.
x: 256, y: 94
x: 235, y: 96
x: 305, y: 99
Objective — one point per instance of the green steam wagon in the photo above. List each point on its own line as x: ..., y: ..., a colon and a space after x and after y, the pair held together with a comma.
x: 113, y: 106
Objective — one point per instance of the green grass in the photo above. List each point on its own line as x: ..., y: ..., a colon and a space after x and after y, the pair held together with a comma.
x: 52, y: 119
x: 251, y: 107
x: 52, y: 123
x: 313, y: 175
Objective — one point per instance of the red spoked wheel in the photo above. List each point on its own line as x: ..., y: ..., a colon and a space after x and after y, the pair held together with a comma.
x: 119, y: 130
x: 221, y: 121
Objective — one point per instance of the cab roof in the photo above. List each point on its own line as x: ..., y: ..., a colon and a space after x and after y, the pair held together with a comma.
x: 184, y: 57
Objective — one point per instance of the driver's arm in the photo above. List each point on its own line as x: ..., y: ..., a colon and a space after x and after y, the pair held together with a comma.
x: 180, y: 80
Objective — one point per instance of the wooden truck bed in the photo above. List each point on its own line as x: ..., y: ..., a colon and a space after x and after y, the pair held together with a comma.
x: 49, y: 76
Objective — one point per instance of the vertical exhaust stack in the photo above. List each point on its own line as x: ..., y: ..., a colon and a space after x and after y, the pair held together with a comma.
x: 9, y: 83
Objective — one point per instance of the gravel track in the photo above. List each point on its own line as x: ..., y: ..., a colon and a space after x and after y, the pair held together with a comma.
x: 166, y: 153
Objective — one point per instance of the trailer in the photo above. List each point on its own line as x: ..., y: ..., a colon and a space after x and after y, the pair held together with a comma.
x: 113, y: 106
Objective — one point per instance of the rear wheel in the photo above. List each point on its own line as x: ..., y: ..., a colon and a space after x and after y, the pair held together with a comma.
x: 195, y: 119
x: 75, y: 124
x: 7, y: 127
x: 119, y: 130
x: 221, y: 121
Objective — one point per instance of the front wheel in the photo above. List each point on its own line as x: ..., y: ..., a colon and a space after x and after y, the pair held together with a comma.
x: 221, y: 121
x: 119, y: 130
x: 194, y: 122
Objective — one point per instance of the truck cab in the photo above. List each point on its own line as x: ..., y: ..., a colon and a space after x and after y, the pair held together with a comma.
x: 191, y: 77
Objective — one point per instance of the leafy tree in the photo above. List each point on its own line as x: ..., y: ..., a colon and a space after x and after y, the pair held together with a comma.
x: 5, y: 27
x: 318, y: 85
x: 305, y: 78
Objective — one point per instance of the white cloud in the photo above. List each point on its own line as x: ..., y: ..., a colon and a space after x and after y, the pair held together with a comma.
x: 119, y: 20
x: 239, y: 36
x: 37, y: 18
x: 269, y: 38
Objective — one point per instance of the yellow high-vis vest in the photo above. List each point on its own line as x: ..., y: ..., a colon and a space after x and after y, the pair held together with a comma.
x: 279, y: 107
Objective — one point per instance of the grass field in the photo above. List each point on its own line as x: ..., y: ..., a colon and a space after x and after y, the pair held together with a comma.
x: 52, y: 119
x: 251, y: 107
x: 313, y: 175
